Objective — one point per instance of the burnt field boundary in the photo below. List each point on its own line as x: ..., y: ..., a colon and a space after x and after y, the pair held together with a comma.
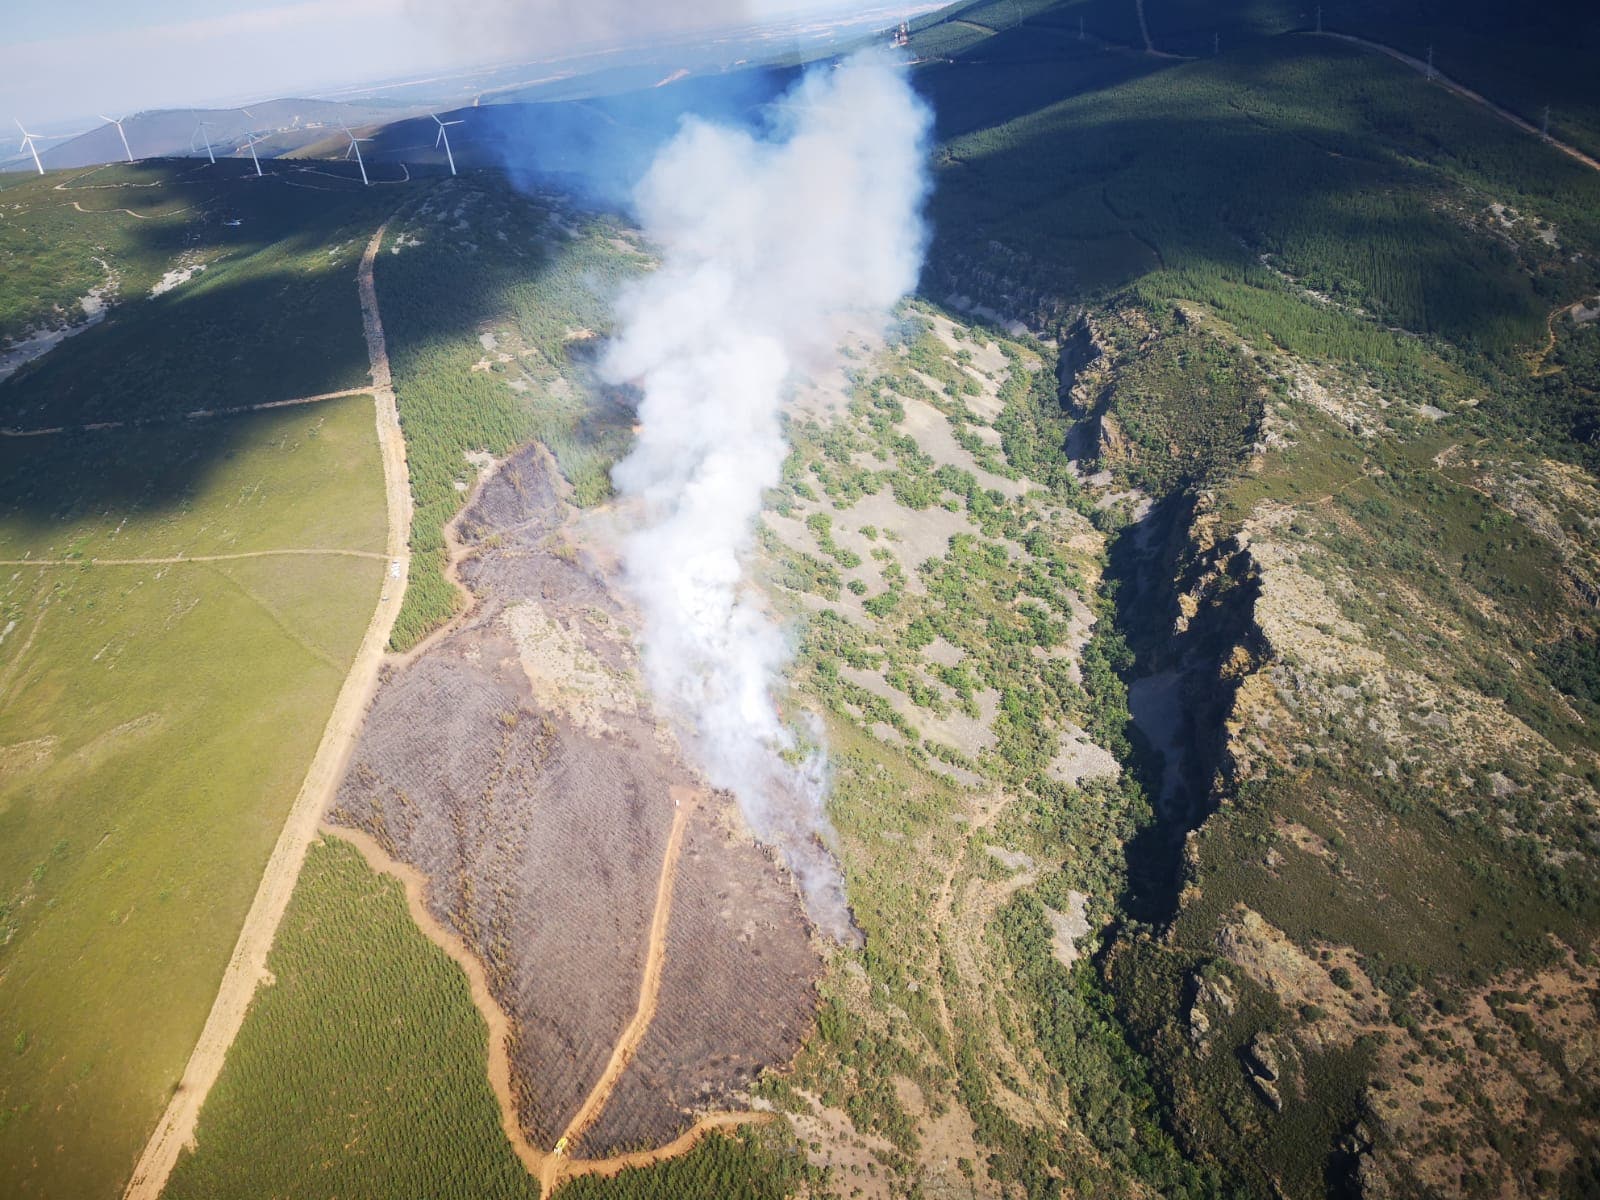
x: 551, y: 1168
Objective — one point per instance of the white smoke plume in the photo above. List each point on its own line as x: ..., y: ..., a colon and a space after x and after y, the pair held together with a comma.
x: 765, y: 243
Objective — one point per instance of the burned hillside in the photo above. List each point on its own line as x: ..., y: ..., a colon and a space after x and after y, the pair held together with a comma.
x: 517, y: 762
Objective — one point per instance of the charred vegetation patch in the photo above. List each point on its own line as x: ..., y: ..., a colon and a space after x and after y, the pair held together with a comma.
x: 517, y: 763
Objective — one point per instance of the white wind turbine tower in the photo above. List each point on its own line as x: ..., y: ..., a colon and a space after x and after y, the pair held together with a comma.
x: 445, y: 138
x: 27, y: 144
x: 250, y: 140
x: 355, y: 145
x: 120, y: 133
x: 200, y: 132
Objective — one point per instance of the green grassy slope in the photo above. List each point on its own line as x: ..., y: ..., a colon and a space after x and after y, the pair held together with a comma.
x: 269, y: 318
x: 53, y: 252
x: 1185, y: 172
x: 338, y: 1088
x: 156, y: 719
x: 1525, y: 57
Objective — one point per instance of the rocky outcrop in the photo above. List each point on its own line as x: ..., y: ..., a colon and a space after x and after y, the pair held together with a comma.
x: 1080, y: 366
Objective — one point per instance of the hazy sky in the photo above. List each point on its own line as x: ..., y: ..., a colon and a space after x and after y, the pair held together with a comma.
x: 69, y: 59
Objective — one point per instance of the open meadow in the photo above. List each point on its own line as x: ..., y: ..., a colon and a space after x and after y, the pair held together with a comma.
x: 181, y: 601
x: 157, y: 720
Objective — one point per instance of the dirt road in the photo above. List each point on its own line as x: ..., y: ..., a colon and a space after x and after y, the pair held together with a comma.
x: 550, y: 1169
x: 71, y: 185
x: 248, y: 965
x: 179, y: 558
x: 622, y: 1053
x: 196, y: 415
x: 1466, y: 93
x: 94, y: 212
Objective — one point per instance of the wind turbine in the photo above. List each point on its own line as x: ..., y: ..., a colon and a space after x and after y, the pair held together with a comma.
x: 200, y: 131
x: 355, y: 145
x: 445, y: 138
x: 250, y: 140
x: 120, y: 133
x: 27, y: 144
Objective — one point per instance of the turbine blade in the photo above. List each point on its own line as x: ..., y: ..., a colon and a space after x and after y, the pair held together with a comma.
x: 437, y: 140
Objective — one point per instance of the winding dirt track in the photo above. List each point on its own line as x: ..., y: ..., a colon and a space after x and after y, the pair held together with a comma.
x: 197, y: 415
x: 248, y: 964
x: 179, y: 558
x: 71, y: 185
x: 1466, y: 93
x: 649, y: 983
x: 550, y: 1168
x: 95, y: 212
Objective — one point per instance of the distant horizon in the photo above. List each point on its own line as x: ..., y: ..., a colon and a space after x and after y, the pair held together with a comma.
x: 58, y: 86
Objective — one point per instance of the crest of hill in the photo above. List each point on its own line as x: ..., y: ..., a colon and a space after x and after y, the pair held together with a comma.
x: 171, y: 132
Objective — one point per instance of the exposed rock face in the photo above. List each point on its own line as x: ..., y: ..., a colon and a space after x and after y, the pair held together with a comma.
x: 1263, y: 1059
x: 1112, y: 448
x: 1348, y: 697
x: 1269, y: 1092
x: 1081, y: 362
x: 1069, y: 928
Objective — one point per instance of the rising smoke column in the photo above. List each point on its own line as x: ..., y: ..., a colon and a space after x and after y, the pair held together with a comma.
x: 765, y: 244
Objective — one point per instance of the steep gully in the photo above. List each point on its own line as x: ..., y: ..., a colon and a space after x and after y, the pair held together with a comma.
x: 1180, y: 690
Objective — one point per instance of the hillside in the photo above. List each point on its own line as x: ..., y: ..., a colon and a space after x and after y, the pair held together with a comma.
x: 193, y: 530
x: 1340, y: 432
x: 1196, y: 589
x: 1203, y: 641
